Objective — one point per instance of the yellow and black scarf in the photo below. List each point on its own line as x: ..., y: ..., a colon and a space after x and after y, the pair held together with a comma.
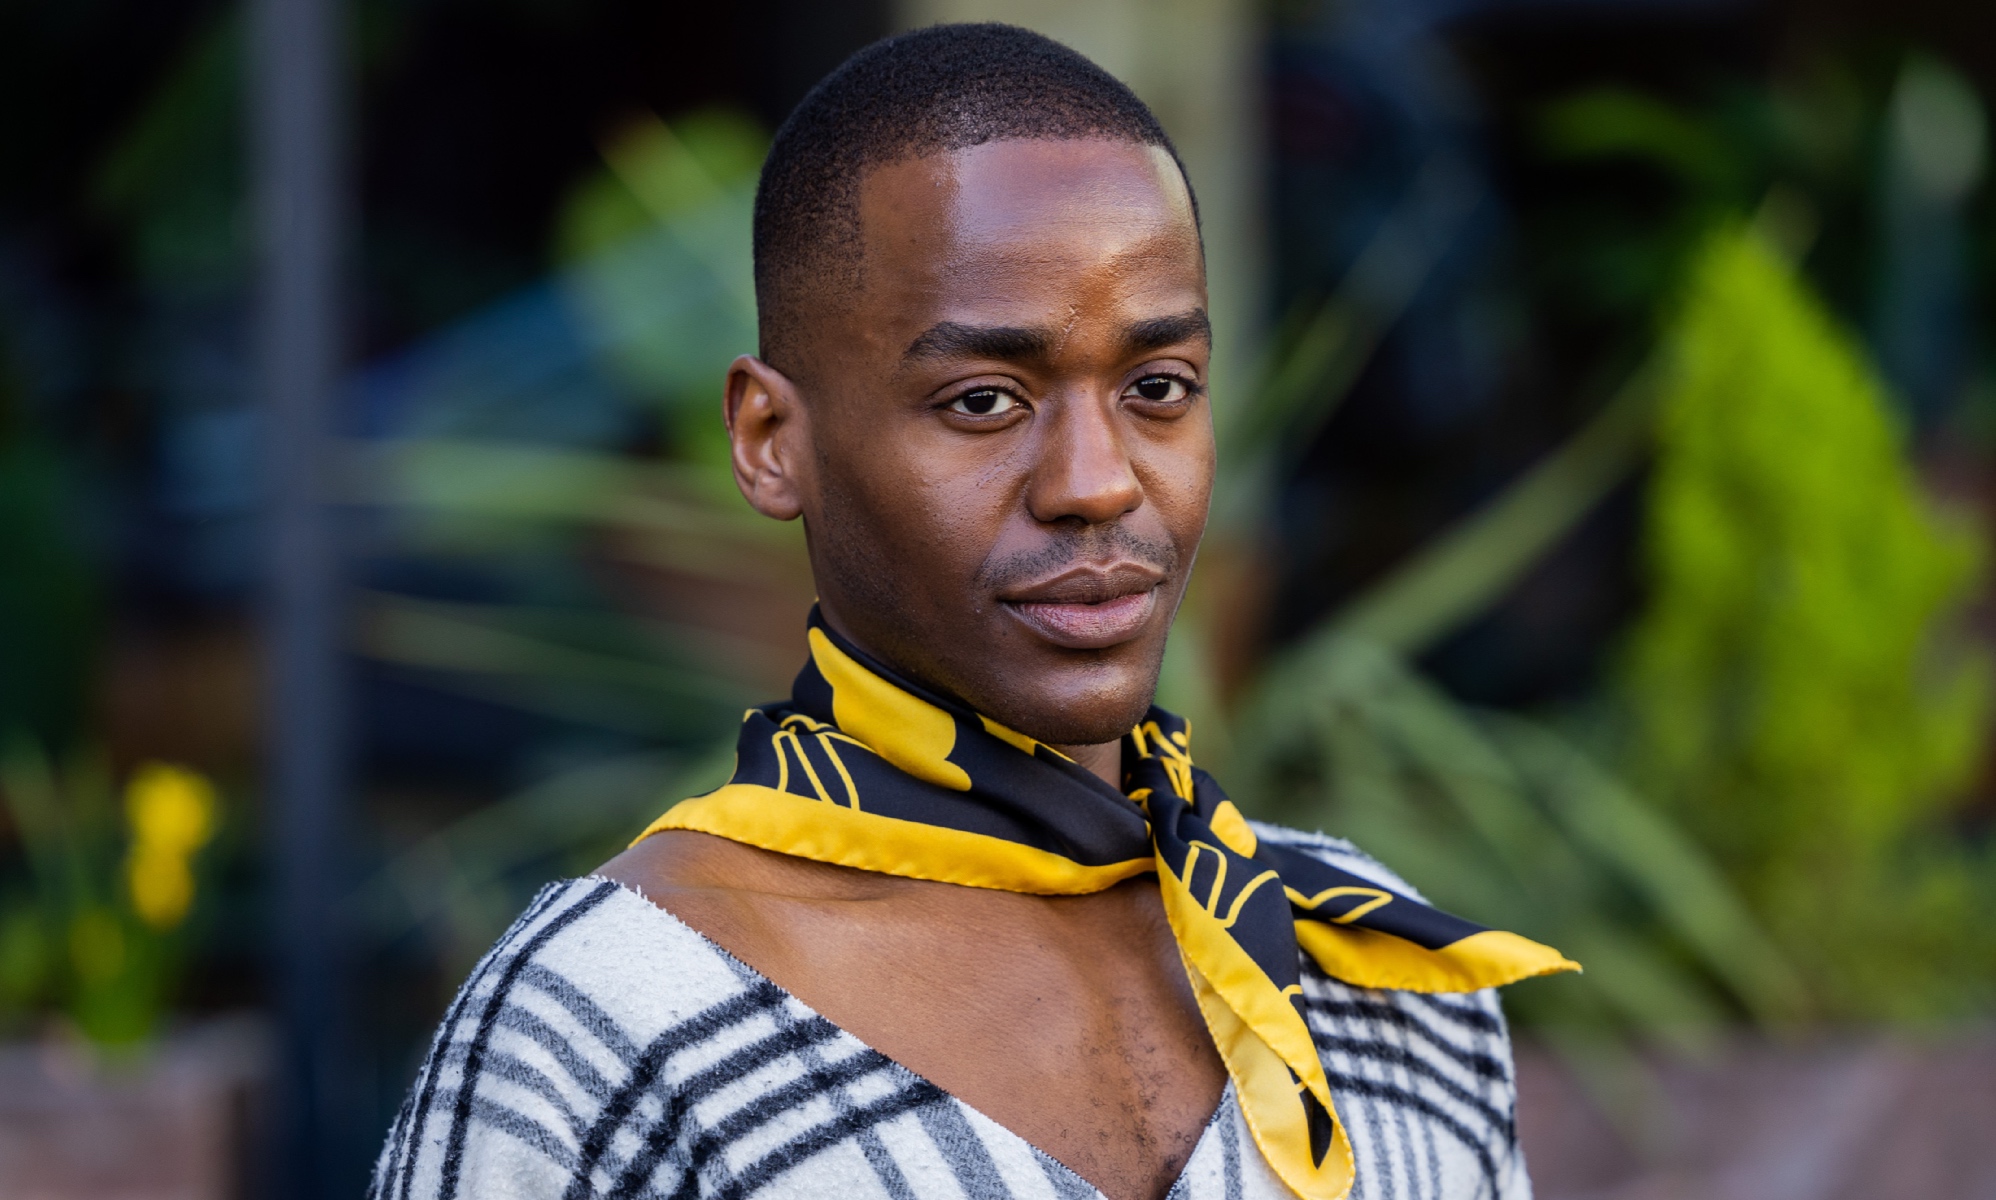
x: 867, y: 770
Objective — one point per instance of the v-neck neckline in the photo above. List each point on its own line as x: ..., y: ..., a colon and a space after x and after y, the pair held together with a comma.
x: 1209, y: 1130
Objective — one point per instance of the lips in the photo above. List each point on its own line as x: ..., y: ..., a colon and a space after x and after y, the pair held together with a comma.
x: 1091, y: 609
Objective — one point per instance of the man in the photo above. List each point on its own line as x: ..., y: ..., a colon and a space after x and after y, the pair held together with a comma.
x: 967, y: 921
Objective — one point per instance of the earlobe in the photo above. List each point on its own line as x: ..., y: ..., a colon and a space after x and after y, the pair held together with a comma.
x: 766, y: 427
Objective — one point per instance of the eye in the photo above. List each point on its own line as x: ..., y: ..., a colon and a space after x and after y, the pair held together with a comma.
x: 1160, y: 389
x: 984, y: 402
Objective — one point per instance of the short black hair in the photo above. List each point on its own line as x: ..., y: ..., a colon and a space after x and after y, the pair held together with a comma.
x: 928, y: 91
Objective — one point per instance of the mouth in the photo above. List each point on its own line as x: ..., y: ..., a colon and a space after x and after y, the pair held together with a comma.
x: 1089, y: 609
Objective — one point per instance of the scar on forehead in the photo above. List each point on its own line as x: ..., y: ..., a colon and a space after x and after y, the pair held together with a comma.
x: 1073, y: 315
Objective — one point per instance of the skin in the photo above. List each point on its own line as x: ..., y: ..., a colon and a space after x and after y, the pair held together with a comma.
x: 1002, y: 453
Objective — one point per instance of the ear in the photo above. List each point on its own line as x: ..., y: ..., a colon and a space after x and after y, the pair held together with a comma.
x: 769, y: 433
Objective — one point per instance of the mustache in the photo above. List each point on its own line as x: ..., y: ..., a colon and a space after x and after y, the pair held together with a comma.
x: 1100, y: 543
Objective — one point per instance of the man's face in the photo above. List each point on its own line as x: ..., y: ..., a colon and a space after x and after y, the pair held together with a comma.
x: 1001, y: 447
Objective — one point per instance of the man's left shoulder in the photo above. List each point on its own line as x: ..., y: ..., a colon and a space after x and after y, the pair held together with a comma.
x: 1413, y: 1074
x: 1478, y: 1009
x: 1337, y: 852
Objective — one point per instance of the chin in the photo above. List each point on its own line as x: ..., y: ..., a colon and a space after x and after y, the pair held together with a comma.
x: 1083, y: 708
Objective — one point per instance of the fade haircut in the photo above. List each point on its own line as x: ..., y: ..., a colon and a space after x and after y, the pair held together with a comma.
x: 930, y: 91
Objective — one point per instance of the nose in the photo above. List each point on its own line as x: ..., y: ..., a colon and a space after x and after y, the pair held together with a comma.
x: 1084, y: 471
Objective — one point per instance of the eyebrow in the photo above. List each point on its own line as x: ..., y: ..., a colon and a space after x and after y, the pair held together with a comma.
x: 1158, y: 332
x: 953, y: 339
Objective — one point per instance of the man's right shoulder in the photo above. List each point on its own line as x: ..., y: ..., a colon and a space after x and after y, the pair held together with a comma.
x: 605, y: 940
x: 577, y: 1003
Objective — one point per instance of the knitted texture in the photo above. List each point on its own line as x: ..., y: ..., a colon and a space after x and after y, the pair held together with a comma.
x: 603, y: 1049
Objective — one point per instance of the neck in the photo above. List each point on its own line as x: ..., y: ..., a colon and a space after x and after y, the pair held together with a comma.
x: 1104, y: 760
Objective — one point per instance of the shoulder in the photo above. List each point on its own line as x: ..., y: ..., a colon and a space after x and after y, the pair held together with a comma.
x: 1478, y: 1011
x: 552, y: 1030
x: 602, y: 946
x: 603, y: 1048
x: 1337, y: 852
x: 1416, y: 1076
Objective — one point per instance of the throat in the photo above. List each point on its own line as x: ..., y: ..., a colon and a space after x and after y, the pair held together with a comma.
x: 1104, y: 760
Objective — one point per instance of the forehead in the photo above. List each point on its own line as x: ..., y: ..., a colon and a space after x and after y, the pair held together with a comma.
x: 1026, y: 223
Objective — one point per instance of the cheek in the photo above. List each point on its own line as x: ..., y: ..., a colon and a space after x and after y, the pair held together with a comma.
x: 933, y: 506
x: 1176, y: 471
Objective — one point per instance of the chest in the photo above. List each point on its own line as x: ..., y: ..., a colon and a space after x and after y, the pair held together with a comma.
x: 1068, y: 1022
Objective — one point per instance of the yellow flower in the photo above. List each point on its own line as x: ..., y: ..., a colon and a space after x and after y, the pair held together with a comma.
x: 172, y: 814
x: 162, y: 887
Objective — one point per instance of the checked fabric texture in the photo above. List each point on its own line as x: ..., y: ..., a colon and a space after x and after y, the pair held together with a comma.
x: 603, y: 1049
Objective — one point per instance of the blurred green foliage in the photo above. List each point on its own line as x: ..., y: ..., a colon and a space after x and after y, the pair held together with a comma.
x: 50, y: 606
x: 1501, y: 816
x: 653, y: 266
x: 1648, y: 178
x: 1498, y: 814
x: 49, y: 602
x: 1797, y: 697
x: 656, y: 173
x: 1796, y: 704
x: 173, y: 181
x: 656, y: 247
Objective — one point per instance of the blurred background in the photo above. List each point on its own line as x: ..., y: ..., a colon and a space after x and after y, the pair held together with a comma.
x: 1608, y: 416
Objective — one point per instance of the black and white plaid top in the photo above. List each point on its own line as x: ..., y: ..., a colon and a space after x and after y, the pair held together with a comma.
x: 603, y: 1049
